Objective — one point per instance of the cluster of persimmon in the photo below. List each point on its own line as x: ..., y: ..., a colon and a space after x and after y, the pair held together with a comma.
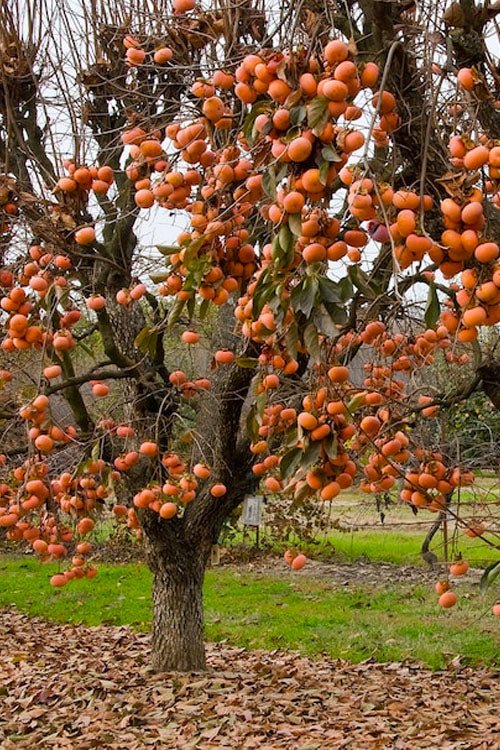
x: 180, y: 488
x: 44, y: 434
x: 407, y: 230
x: 478, y: 299
x: 384, y: 465
x: 430, y: 485
x: 24, y: 328
x: 406, y: 353
x: 447, y: 597
x: 9, y: 200
x: 24, y: 513
x: 233, y: 182
x: 217, y: 223
x: 161, y: 55
x: 276, y: 358
x: 324, y: 421
x: 82, y: 180
x: 391, y: 214
x: 294, y: 560
x: 82, y: 494
x: 190, y: 388
x: 373, y: 411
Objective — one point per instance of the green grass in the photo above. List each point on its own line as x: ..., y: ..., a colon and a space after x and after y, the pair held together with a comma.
x: 399, y: 547
x: 387, y: 623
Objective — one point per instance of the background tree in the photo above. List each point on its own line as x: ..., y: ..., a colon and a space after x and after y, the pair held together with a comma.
x: 325, y: 167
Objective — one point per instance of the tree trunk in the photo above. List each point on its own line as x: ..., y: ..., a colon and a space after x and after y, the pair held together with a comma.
x: 177, y: 636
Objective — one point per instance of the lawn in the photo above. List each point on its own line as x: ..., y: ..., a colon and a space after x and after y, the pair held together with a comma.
x: 399, y: 547
x: 387, y: 623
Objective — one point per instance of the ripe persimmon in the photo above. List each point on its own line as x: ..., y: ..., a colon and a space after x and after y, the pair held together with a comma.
x: 298, y: 562
x: 59, y: 580
x: 218, y: 490
x: 149, y: 449
x: 224, y: 356
x: 307, y: 421
x: 168, y: 510
x: 448, y: 599
x: 459, y: 568
x: 85, y: 236
x: 336, y: 51
x: 338, y: 374
x: 190, y: 337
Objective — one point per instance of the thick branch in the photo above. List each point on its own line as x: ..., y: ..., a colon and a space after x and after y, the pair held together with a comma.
x: 96, y: 375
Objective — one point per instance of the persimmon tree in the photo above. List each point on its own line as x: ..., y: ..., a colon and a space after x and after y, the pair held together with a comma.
x: 334, y: 169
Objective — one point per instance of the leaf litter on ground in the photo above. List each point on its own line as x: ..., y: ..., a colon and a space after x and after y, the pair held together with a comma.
x: 69, y: 687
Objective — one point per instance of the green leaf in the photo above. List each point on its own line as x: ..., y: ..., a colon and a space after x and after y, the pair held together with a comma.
x: 292, y: 338
x: 311, y: 341
x: 282, y: 250
x: 290, y: 462
x: 191, y: 303
x: 262, y: 294
x: 330, y: 154
x: 346, y: 289
x: 204, y: 308
x: 252, y: 424
x: 311, y: 454
x: 175, y: 312
x: 266, y: 128
x: 248, y: 126
x: 95, y: 451
x: 317, y: 114
x: 328, y: 290
x: 283, y: 171
x: 191, y: 250
x: 304, y: 295
x: 147, y: 340
x: 260, y: 404
x: 292, y: 99
x: 291, y: 437
x: 158, y: 276
x: 276, y: 250
x: 295, y: 224
x: 336, y: 311
x: 152, y: 344
x: 432, y: 307
x: 356, y: 402
x: 330, y: 445
x: 490, y: 574
x: 323, y: 172
x: 292, y: 133
x: 299, y: 497
x: 298, y: 114
x: 247, y: 362
x: 142, y: 338
x: 362, y: 282
x: 286, y: 238
x: 168, y: 249
x: 269, y: 182
x: 324, y: 322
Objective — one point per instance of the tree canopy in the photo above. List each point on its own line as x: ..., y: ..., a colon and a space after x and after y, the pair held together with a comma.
x: 322, y: 182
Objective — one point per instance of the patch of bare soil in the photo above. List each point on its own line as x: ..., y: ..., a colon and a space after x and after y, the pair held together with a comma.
x: 356, y: 573
x: 75, y: 688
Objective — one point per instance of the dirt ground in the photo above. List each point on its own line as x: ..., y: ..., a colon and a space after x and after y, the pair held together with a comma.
x: 69, y: 687
x: 354, y: 573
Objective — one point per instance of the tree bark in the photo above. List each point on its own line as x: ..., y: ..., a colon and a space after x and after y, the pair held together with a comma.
x: 177, y: 634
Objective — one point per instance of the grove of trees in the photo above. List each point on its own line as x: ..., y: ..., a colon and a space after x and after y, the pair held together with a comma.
x: 284, y: 189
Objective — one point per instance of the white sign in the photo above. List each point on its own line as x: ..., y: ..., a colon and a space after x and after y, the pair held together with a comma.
x: 252, y: 510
